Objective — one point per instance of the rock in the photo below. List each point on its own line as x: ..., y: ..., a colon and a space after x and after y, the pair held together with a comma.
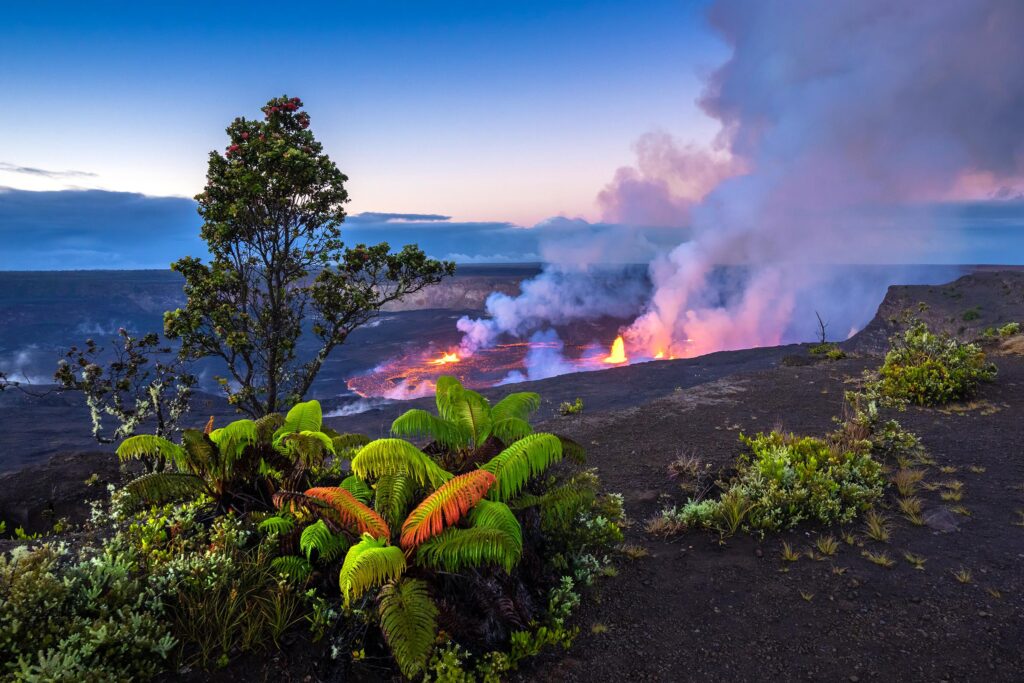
x: 941, y: 520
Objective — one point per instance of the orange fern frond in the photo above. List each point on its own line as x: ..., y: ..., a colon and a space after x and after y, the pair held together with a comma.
x: 351, y: 512
x: 445, y: 506
x: 209, y: 426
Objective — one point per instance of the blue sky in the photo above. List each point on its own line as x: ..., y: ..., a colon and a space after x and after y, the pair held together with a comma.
x: 511, y: 111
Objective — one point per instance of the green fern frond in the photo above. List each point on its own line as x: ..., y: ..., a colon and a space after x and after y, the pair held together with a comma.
x: 278, y: 524
x: 368, y: 564
x: 198, y: 454
x: 445, y: 506
x: 573, y: 450
x: 470, y: 413
x: 358, y: 488
x: 293, y: 567
x: 328, y: 546
x: 418, y: 423
x: 510, y: 429
x: 408, y: 618
x: 519, y: 405
x: 234, y: 439
x: 457, y: 549
x: 147, y: 445
x: 157, y: 488
x: 308, y: 448
x: 443, y: 388
x: 392, y: 496
x: 489, y: 514
x: 303, y: 417
x: 268, y: 425
x: 561, y: 505
x: 525, y: 458
x: 346, y: 442
x: 396, y: 456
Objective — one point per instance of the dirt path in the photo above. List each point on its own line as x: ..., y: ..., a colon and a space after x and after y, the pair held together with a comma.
x: 695, y: 609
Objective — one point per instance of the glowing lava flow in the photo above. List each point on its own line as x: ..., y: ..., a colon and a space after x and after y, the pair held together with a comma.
x: 445, y: 359
x: 618, y: 353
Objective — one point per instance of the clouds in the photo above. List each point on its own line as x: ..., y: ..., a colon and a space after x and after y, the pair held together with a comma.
x: 42, y: 172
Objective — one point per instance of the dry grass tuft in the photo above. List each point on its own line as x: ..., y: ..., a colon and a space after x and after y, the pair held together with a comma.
x: 633, y: 551
x: 916, y: 560
x: 906, y: 481
x: 877, y: 526
x: 827, y: 545
x: 788, y: 554
x: 911, y: 509
x: 964, y: 576
x: 882, y: 559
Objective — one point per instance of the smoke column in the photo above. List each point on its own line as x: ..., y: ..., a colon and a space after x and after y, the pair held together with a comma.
x: 841, y: 122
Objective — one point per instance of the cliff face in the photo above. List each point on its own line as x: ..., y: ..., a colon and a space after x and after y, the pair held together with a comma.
x: 964, y: 308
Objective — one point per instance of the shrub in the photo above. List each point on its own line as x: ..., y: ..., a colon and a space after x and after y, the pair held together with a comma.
x: 1009, y: 329
x: 971, y: 314
x: 574, y: 408
x: 931, y: 369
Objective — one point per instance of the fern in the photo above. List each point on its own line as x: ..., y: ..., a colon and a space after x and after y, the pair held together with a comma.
x: 525, y: 458
x: 148, y: 446
x: 303, y: 417
x: 234, y: 439
x: 418, y: 423
x: 491, y: 515
x: 519, y: 405
x: 358, y: 488
x: 352, y: 513
x: 368, y: 564
x: 562, y: 504
x: 198, y: 454
x: 293, y: 567
x: 395, y: 456
x: 510, y: 429
x: 158, y: 488
x: 408, y: 618
x: 278, y: 524
x: 305, y: 447
x: 471, y: 413
x: 445, y: 506
x: 328, y: 546
x: 457, y: 549
x: 392, y: 497
x: 268, y: 425
x: 573, y: 450
x: 347, y: 442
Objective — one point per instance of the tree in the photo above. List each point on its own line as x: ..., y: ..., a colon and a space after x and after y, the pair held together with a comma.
x: 272, y: 208
x: 142, y: 381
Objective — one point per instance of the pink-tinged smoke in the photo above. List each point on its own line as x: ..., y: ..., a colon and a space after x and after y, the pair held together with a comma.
x: 840, y: 123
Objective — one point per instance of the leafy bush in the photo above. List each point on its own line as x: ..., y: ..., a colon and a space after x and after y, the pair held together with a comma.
x: 971, y: 314
x: 68, y: 618
x: 1009, y: 329
x: 573, y: 408
x: 930, y: 369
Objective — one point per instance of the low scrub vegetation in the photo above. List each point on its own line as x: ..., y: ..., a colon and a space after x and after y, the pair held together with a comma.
x: 466, y: 555
x: 928, y: 369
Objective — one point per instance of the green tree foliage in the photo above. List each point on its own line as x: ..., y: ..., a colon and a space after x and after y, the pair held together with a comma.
x: 272, y: 210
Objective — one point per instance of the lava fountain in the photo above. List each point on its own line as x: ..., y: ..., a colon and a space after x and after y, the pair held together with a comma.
x: 618, y: 352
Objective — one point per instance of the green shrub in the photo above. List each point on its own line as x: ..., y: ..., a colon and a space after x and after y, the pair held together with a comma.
x: 1009, y: 329
x: 79, y: 618
x: 971, y: 314
x: 930, y: 369
x: 574, y: 408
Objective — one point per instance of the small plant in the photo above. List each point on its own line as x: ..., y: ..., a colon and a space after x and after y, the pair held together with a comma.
x: 1020, y: 519
x: 633, y: 551
x: 877, y: 526
x: 911, y: 509
x: 788, y: 554
x: 882, y: 559
x: 971, y: 314
x: 829, y: 350
x: 598, y: 629
x: 1009, y: 329
x: 574, y: 408
x: 960, y: 510
x: 837, y: 570
x: 906, y: 481
x: 948, y: 469
x: 963, y: 575
x: 952, y: 496
x: 917, y: 561
x: 976, y: 469
x: 848, y: 538
x: 994, y: 592
x: 827, y: 545
x: 807, y: 596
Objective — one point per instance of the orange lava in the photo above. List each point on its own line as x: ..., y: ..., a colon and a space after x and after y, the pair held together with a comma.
x: 618, y: 353
x: 445, y: 359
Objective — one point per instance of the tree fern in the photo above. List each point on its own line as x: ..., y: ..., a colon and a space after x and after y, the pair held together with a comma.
x: 395, y: 456
x: 492, y: 515
x: 351, y: 513
x: 393, y: 494
x: 510, y: 429
x: 562, y: 504
x: 525, y: 458
x: 158, y: 488
x: 445, y: 506
x: 358, y: 488
x: 198, y: 453
x: 347, y: 442
x: 573, y: 450
x: 457, y: 549
x: 418, y: 423
x: 278, y: 524
x: 471, y: 413
x: 408, y: 618
x: 328, y: 546
x: 148, y: 446
x: 306, y: 447
x: 303, y: 417
x: 518, y: 405
x: 368, y: 564
x: 293, y: 567
x: 234, y: 439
